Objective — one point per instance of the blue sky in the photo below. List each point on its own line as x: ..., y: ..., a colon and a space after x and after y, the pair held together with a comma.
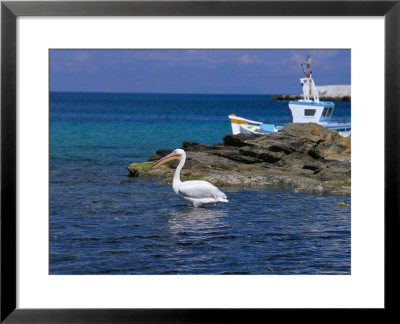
x: 194, y: 71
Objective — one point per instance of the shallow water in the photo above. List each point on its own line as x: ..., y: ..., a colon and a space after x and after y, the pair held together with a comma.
x: 143, y: 228
x: 104, y: 222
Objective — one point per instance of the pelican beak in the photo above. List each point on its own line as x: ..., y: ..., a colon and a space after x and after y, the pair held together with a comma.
x: 165, y: 159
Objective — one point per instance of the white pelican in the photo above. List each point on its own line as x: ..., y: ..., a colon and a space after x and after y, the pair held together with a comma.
x: 197, y: 192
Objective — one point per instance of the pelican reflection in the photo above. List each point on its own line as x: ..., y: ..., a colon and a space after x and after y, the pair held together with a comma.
x: 196, y: 220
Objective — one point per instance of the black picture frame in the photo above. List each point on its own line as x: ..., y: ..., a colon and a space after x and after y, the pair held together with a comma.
x: 10, y: 10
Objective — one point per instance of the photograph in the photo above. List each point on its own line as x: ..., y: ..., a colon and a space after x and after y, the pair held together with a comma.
x: 199, y: 161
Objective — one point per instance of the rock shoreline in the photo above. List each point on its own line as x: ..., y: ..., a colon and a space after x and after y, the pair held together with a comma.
x: 305, y: 157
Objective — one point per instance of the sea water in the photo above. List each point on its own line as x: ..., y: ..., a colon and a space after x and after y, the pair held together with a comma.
x: 104, y: 222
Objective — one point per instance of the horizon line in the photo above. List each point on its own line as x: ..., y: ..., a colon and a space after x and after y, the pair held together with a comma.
x: 163, y: 93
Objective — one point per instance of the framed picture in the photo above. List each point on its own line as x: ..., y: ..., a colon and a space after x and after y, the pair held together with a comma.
x: 84, y: 239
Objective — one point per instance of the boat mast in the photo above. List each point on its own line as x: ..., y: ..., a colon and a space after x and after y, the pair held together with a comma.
x: 308, y: 72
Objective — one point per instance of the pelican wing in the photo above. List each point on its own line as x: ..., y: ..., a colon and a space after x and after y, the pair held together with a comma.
x: 200, y: 189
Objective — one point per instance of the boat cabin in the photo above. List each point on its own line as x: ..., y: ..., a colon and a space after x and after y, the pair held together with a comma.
x: 311, y: 112
x: 310, y: 109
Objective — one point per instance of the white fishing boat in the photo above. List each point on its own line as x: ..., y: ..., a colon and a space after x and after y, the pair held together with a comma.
x: 307, y: 110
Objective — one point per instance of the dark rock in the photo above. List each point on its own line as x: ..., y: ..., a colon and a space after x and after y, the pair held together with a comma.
x: 281, y: 147
x: 133, y: 172
x: 193, y: 146
x: 239, y: 140
x: 163, y: 152
x: 243, y: 158
x: 315, y: 153
x: 312, y: 166
x: 159, y: 154
x: 261, y: 154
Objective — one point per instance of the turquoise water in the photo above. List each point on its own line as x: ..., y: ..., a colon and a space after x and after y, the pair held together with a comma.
x: 104, y: 222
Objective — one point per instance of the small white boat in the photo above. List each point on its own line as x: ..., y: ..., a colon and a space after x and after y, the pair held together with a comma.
x: 307, y: 110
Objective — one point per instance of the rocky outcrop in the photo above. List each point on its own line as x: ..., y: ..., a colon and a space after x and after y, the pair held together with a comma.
x: 305, y: 157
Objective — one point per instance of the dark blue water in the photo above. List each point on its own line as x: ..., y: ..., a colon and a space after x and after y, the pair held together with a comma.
x: 104, y: 222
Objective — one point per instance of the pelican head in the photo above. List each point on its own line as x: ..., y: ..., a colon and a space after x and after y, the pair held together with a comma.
x: 174, y: 155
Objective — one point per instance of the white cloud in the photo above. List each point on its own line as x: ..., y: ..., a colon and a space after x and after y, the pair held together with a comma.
x: 82, y: 56
x: 249, y: 59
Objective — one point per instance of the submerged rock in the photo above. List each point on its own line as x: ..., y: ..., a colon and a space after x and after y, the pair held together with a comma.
x: 342, y: 204
x: 305, y: 157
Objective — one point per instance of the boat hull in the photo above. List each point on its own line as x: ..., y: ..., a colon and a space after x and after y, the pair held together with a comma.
x: 241, y: 125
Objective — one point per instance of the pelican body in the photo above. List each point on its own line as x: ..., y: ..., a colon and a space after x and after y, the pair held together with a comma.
x: 197, y: 192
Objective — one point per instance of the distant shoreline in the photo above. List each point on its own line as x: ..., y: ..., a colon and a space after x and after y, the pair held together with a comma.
x: 274, y: 96
x: 326, y: 93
